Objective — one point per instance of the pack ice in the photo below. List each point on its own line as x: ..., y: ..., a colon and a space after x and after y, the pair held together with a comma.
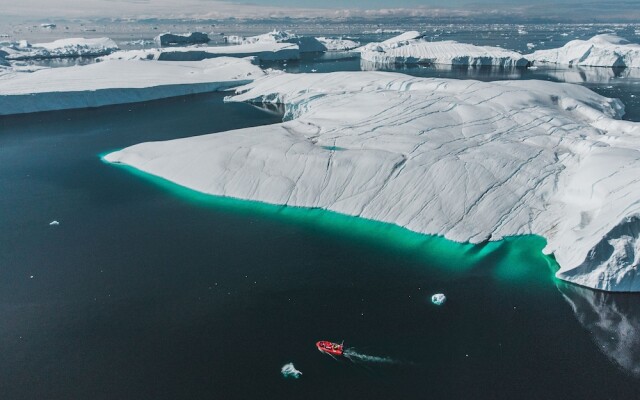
x: 471, y: 161
x: 411, y: 48
x: 118, y: 82
x: 600, y: 51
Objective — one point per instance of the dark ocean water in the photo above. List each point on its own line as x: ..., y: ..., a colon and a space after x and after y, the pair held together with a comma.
x: 149, y: 291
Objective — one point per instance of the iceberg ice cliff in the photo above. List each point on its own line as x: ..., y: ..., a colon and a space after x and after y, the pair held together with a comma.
x: 63, y: 48
x: 263, y: 51
x: 118, y: 82
x: 307, y: 44
x: 167, y: 38
x: 412, y: 48
x: 471, y: 161
x: 605, y: 50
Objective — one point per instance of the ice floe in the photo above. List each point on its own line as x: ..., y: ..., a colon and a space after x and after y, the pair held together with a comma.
x: 600, y: 51
x: 471, y: 161
x: 118, y: 82
x: 63, y: 48
x: 262, y: 51
x: 412, y: 48
x: 438, y: 299
x: 290, y: 371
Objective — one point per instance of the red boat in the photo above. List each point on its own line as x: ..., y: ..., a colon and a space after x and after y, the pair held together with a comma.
x: 331, y: 348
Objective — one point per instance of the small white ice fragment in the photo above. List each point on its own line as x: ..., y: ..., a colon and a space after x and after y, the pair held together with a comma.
x: 53, y: 223
x: 290, y: 371
x: 438, y: 299
x: 30, y: 276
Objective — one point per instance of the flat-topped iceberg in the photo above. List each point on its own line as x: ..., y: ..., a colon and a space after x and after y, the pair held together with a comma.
x: 600, y: 51
x: 262, y: 51
x: 167, y: 38
x: 306, y: 44
x: 63, y: 48
x: 471, y: 161
x: 412, y: 48
x: 118, y: 82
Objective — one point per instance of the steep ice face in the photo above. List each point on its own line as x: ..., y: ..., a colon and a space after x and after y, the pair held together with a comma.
x: 306, y: 44
x: 166, y: 39
x: 600, y: 51
x: 412, y: 48
x: 63, y: 48
x: 118, y: 82
x: 467, y: 160
x: 262, y: 51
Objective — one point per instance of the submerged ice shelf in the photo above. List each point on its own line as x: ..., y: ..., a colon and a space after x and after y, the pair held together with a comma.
x: 118, y: 82
x: 467, y: 160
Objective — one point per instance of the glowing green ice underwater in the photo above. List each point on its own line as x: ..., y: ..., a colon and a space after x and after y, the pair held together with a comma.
x: 513, y: 259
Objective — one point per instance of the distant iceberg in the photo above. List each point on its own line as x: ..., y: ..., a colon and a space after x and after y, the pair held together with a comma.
x: 118, y: 82
x: 411, y: 48
x: 167, y: 38
x: 306, y: 44
x: 262, y: 51
x: 471, y: 161
x: 63, y: 48
x: 600, y: 51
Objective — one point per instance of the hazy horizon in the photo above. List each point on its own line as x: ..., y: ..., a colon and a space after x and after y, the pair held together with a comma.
x: 514, y: 11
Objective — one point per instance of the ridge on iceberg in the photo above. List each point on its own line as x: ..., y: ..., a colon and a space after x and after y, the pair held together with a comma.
x: 412, y: 48
x: 63, y: 48
x: 168, y: 38
x: 307, y: 44
x: 118, y: 82
x: 263, y: 51
x: 605, y: 50
x: 471, y: 161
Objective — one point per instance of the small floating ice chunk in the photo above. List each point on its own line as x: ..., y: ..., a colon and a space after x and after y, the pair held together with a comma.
x: 438, y: 299
x: 290, y: 371
x: 54, y: 223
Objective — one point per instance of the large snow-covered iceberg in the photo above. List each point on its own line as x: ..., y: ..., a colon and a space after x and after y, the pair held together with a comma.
x: 412, y: 48
x: 307, y: 44
x: 605, y: 50
x: 63, y: 48
x: 167, y: 38
x: 118, y: 82
x: 262, y: 51
x: 472, y: 161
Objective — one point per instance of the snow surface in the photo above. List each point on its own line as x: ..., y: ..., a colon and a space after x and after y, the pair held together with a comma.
x: 263, y: 51
x: 63, y: 48
x: 118, y: 82
x: 307, y: 44
x: 600, y: 51
x: 471, y: 161
x: 168, y: 38
x: 412, y: 48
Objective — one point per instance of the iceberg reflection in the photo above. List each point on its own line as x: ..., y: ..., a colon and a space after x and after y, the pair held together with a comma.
x: 613, y: 319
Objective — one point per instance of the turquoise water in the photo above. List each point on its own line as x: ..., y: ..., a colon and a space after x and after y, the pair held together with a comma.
x: 150, y: 290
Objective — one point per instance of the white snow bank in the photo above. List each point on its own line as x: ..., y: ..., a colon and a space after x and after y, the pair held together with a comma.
x: 118, y: 82
x: 73, y: 47
x: 412, y: 48
x: 307, y: 44
x: 262, y: 51
x: 168, y: 38
x: 471, y: 161
x: 599, y: 51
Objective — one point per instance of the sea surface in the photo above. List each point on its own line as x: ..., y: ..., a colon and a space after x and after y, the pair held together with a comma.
x: 146, y: 290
